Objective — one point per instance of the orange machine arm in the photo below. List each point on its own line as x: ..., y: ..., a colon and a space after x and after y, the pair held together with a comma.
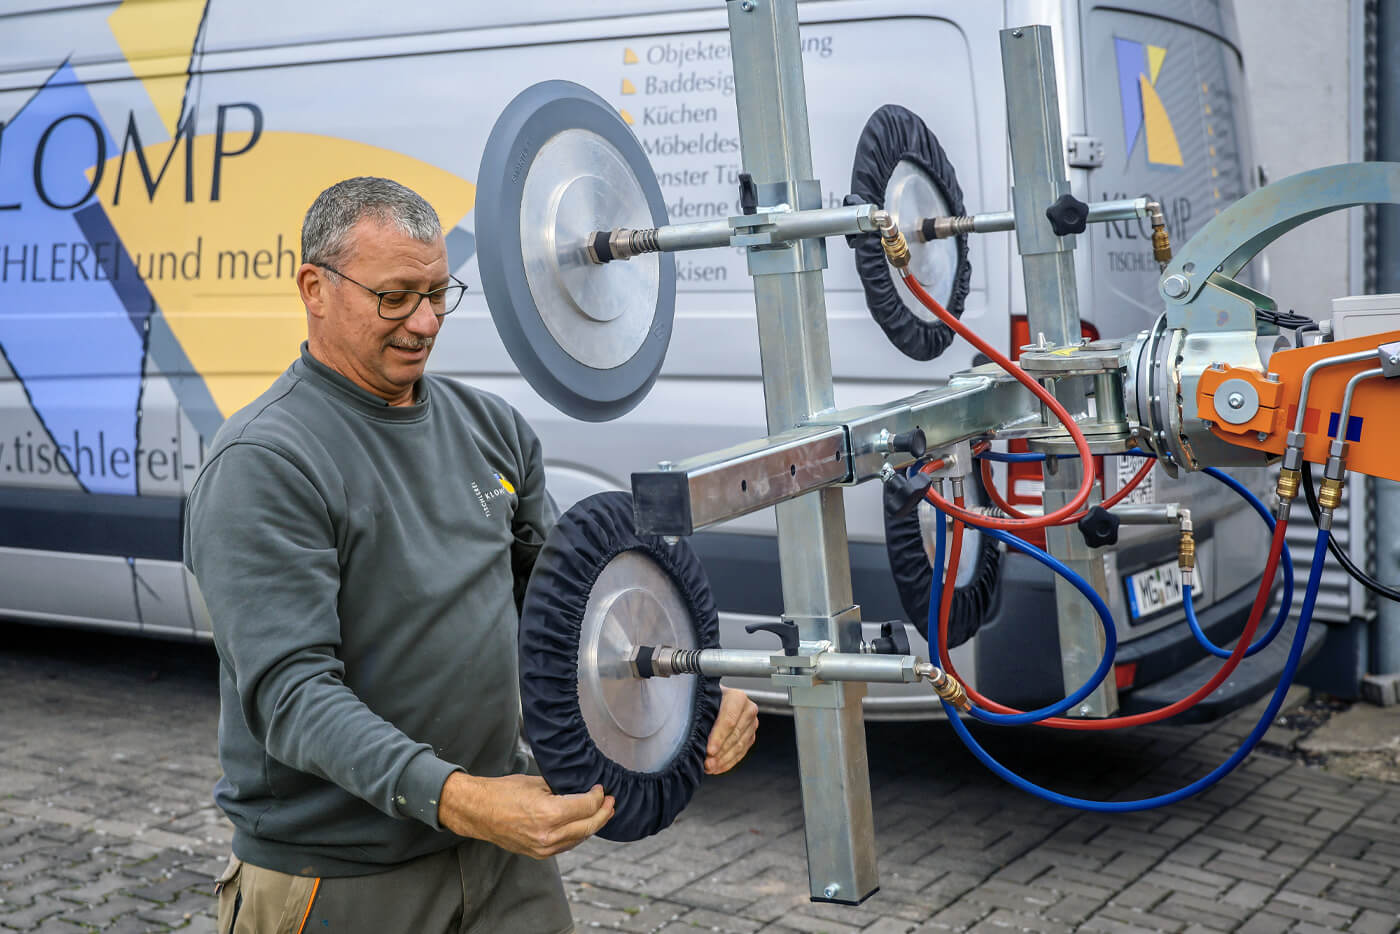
x: 1373, y: 429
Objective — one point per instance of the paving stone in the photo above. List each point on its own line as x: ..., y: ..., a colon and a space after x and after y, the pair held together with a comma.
x: 105, y: 912
x: 1274, y: 847
x: 39, y: 908
x: 1374, y: 922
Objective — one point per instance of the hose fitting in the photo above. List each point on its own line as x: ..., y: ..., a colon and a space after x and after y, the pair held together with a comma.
x: 604, y: 246
x: 1290, y: 475
x: 944, y: 685
x: 1329, y: 495
x: 1161, y: 240
x: 896, y: 248
x: 1186, y: 549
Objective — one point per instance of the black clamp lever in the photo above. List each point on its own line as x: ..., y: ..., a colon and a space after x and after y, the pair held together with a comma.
x: 902, y: 494
x: 784, y: 630
x: 748, y: 194
x: 893, y: 639
x: 1099, y: 527
x: 1068, y: 215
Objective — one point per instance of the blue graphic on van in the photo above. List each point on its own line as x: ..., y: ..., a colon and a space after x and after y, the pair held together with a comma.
x: 79, y: 357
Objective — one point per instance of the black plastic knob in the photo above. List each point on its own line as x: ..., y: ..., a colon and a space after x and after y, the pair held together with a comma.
x: 785, y: 631
x: 1068, y: 215
x: 910, y: 442
x: 1099, y: 527
x: 902, y: 494
x: 748, y: 194
x: 893, y: 639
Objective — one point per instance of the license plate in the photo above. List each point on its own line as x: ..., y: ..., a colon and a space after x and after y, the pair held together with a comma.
x: 1157, y: 589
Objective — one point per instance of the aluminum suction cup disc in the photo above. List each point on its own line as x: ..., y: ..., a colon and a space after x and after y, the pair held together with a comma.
x: 560, y: 164
x: 638, y: 723
x: 910, y: 196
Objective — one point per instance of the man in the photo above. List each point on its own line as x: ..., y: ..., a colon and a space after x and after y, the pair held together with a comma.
x: 364, y: 611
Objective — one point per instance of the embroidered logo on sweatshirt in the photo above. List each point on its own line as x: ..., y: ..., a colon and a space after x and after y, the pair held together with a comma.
x: 484, y: 497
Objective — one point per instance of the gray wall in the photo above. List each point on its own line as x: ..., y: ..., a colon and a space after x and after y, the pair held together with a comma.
x: 1298, y: 68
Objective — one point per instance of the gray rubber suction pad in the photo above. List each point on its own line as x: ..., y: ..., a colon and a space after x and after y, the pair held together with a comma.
x: 560, y: 164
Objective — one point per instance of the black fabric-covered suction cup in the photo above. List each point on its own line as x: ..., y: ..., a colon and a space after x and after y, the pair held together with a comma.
x: 598, y: 589
x: 893, y: 135
x: 913, y: 576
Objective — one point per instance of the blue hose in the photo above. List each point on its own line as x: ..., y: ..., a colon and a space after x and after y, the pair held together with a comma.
x: 1009, y: 457
x: 1045, y: 558
x: 1287, y: 561
x: 1190, y: 607
x: 1290, y: 668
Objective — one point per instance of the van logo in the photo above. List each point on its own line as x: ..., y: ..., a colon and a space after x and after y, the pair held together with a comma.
x: 1139, y: 66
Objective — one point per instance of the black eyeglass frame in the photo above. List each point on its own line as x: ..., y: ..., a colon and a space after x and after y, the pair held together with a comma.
x: 379, y: 307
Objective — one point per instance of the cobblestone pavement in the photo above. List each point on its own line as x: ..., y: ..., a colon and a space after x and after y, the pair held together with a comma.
x: 105, y: 823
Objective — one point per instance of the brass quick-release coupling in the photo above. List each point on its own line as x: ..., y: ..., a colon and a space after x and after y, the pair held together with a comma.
x: 944, y: 685
x: 896, y: 247
x: 1161, y: 240
x: 1329, y: 495
x: 1290, y: 475
x: 1186, y: 548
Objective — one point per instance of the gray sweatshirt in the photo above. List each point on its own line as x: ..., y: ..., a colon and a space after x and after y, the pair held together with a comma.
x: 362, y: 564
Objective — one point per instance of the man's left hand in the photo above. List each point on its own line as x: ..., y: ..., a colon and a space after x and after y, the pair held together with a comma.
x: 733, y: 733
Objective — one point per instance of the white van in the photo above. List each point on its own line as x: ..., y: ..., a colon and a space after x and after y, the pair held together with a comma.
x: 156, y: 160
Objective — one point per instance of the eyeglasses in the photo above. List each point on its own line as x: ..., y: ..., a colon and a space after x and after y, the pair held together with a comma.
x: 397, y: 304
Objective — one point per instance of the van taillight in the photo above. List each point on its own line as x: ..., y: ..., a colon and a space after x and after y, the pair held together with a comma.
x: 1024, y: 482
x: 1124, y: 675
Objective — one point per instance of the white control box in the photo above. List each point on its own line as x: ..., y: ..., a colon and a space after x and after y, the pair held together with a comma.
x: 1360, y: 315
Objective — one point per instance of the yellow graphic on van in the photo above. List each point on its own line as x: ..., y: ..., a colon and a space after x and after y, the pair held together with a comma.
x: 156, y: 39
x: 222, y: 270
x: 159, y: 234
x: 1139, y: 66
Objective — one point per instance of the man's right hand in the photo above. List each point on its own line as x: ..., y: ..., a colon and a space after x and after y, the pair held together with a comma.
x: 520, y: 814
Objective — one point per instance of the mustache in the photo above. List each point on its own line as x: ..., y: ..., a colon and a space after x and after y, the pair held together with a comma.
x: 411, y: 343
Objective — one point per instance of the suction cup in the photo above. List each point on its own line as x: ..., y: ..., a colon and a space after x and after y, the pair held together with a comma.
x: 598, y: 590
x: 900, y: 166
x: 910, y: 196
x: 560, y: 164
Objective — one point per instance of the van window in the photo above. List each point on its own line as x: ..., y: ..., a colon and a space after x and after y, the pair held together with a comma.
x: 1166, y: 100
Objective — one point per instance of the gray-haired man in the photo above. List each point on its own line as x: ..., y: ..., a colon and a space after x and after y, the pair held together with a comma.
x: 364, y: 608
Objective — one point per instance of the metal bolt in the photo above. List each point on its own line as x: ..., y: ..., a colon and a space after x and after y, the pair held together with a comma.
x: 1236, y: 400
x: 672, y: 540
x: 663, y: 465
x: 832, y: 890
x: 1175, y: 286
x: 1263, y: 436
x: 747, y: 6
x: 1017, y: 33
x: 1394, y: 360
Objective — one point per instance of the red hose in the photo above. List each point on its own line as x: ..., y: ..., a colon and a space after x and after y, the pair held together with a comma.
x: 1066, y: 512
x: 1256, y: 613
x: 998, y: 501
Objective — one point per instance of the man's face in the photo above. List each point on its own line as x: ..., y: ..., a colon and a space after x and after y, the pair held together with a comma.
x: 345, y: 329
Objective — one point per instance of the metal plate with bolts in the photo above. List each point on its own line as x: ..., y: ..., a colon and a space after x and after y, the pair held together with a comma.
x: 1237, y: 401
x: 559, y: 164
x: 911, y: 196
x: 639, y: 723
